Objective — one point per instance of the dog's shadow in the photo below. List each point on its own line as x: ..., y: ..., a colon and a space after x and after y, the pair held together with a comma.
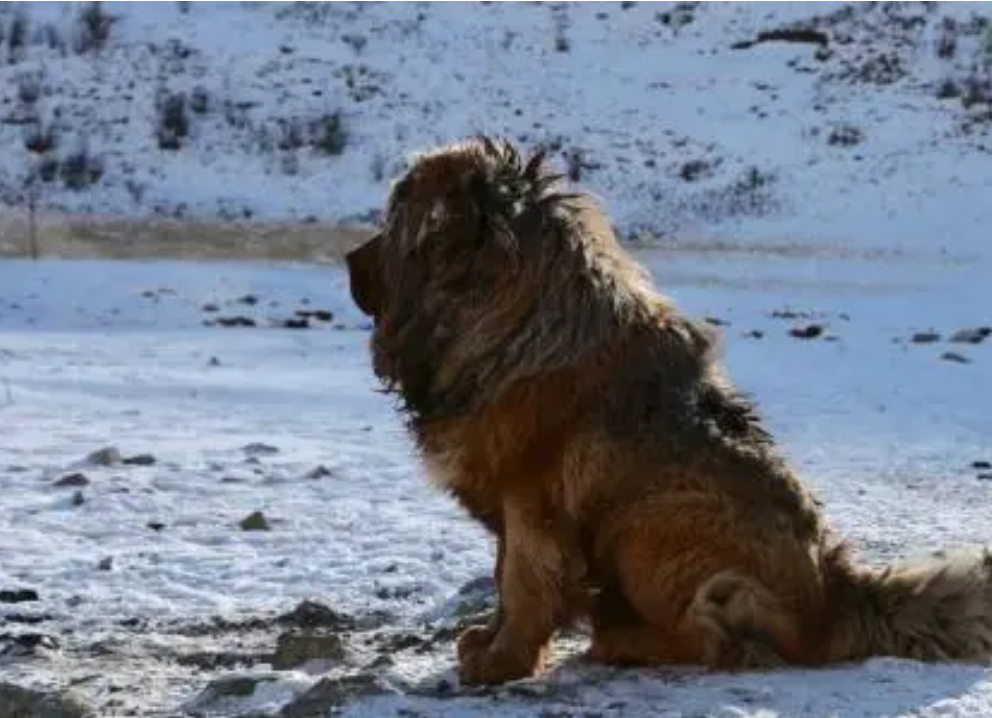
x: 873, y: 689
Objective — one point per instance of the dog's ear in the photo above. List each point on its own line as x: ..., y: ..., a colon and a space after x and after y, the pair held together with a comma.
x: 365, y: 276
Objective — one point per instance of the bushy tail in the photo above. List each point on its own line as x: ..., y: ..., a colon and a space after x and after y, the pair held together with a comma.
x: 936, y: 610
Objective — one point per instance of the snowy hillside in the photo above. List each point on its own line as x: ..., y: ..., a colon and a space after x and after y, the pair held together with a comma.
x: 306, y: 110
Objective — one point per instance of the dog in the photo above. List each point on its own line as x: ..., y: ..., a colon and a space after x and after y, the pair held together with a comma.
x: 587, y: 423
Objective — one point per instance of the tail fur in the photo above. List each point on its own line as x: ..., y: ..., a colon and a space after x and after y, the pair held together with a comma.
x: 936, y: 610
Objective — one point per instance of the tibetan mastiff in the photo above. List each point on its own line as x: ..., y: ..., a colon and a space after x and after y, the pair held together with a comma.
x: 576, y: 413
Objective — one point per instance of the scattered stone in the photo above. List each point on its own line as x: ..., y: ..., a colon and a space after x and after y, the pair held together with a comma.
x: 155, y: 525
x: 235, y: 321
x: 294, y: 648
x: 955, y: 357
x: 257, y: 448
x: 981, y: 464
x: 75, y: 479
x: 971, y: 336
x: 805, y: 35
x: 27, y: 619
x: 19, y: 702
x: 323, y: 315
x: 107, y: 456
x: 318, y: 472
x: 249, y: 299
x: 331, y: 693
x: 221, y: 660
x: 25, y: 645
x: 18, y: 595
x: 255, y: 521
x: 296, y: 323
x: 310, y: 614
x: 927, y: 337
x: 987, y: 476
x: 754, y: 334
x: 222, y: 696
x: 139, y: 460
x: 809, y: 331
x: 790, y: 314
x: 106, y: 563
x: 210, y: 307
x: 717, y: 322
x: 214, y: 361
x: 78, y: 499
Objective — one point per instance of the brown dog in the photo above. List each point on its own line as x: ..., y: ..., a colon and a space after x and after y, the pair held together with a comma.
x: 580, y: 417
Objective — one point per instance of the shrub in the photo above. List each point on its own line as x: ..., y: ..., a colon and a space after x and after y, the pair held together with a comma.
x: 331, y: 136
x: 79, y: 170
x: 173, y: 122
x: 93, y: 28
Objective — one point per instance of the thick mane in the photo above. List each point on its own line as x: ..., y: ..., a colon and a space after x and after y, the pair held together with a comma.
x: 497, y: 274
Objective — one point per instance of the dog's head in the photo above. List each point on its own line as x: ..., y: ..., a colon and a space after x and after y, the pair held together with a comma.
x: 461, y: 210
x: 485, y: 271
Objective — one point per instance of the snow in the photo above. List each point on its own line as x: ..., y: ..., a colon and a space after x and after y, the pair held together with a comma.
x: 637, y: 97
x: 875, y: 242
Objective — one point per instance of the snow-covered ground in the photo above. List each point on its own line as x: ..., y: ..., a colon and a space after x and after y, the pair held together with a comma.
x: 239, y: 419
x: 793, y: 185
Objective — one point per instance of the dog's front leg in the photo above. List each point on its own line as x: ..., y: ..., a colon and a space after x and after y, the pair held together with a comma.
x: 535, y: 575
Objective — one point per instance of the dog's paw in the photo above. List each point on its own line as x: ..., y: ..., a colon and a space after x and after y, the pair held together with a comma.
x: 473, y: 640
x: 491, y: 665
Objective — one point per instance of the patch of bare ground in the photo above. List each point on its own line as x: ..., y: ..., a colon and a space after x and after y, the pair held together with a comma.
x: 96, y: 237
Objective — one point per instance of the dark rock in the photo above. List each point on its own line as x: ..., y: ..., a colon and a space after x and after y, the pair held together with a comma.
x: 214, y: 361
x: 255, y: 521
x: 106, y: 563
x: 107, y: 456
x: 155, y: 525
x: 78, y: 499
x: 330, y: 693
x: 928, y: 337
x: 294, y: 648
x: 18, y: 595
x: 19, y: 702
x: 717, y: 322
x: 981, y: 464
x: 955, y: 357
x: 27, y: 619
x: 318, y: 472
x: 806, y: 35
x: 210, y: 307
x: 754, y: 334
x: 235, y: 321
x: 971, y: 336
x: 26, y: 645
x: 222, y: 695
x: 310, y: 614
x: 249, y: 299
x: 985, y: 477
x: 139, y: 460
x: 323, y: 315
x: 221, y: 660
x: 296, y: 323
x: 258, y: 448
x: 809, y: 331
x: 75, y: 480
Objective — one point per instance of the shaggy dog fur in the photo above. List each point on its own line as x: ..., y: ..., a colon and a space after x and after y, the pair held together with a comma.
x: 582, y: 419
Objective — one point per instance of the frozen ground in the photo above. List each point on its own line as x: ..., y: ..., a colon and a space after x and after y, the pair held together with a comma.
x: 132, y: 580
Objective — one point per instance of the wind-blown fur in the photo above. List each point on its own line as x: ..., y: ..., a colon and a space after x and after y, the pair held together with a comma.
x: 580, y: 417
